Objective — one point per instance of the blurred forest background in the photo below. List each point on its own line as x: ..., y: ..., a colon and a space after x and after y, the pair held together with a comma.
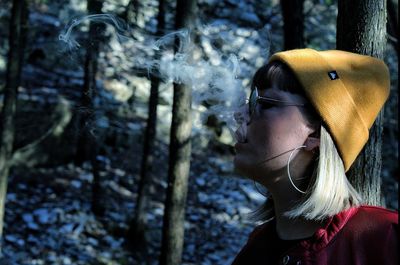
x: 85, y: 170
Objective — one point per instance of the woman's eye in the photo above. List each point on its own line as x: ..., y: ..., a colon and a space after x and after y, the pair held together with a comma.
x: 266, y: 105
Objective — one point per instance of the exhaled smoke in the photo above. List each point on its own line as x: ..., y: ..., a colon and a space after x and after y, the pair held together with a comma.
x: 121, y: 28
x: 213, y: 81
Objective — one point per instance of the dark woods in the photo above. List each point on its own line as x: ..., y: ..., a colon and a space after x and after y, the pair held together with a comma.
x: 104, y: 162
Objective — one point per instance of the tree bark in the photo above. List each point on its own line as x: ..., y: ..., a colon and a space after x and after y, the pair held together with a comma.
x: 17, y: 38
x: 138, y: 225
x: 293, y: 23
x: 87, y: 144
x: 361, y: 28
x: 393, y: 24
x: 179, y: 155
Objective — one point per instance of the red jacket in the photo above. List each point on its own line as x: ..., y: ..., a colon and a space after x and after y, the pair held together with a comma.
x: 365, y: 235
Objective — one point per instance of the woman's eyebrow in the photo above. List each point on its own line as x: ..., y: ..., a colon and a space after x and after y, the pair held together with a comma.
x: 273, y: 94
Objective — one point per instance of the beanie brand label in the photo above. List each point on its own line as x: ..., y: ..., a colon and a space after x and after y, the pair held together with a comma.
x: 333, y: 75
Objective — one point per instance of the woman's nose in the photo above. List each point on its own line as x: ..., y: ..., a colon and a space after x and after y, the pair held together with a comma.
x: 238, y: 116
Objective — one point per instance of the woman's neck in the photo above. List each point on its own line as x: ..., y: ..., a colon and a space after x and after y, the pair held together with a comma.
x: 292, y: 228
x: 286, y: 197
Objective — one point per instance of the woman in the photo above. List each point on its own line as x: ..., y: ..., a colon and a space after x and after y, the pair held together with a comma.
x: 307, y: 119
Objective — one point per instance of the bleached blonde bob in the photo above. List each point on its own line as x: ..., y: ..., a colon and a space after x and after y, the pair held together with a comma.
x: 329, y: 191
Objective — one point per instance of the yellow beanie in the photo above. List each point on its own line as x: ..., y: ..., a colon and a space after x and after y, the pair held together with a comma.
x: 348, y: 90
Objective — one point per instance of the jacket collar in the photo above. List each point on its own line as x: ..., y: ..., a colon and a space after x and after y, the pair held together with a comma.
x: 325, y: 234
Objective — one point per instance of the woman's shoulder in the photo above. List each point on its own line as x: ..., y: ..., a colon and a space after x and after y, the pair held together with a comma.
x: 377, y: 214
x: 359, y: 226
x: 373, y: 220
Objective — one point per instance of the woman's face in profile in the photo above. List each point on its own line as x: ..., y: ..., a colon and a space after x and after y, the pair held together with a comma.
x: 273, y: 131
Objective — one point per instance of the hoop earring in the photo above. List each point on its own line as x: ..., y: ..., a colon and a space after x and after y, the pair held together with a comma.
x: 255, y: 185
x: 288, y: 169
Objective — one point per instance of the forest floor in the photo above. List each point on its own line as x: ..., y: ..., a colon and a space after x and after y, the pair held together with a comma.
x: 49, y: 221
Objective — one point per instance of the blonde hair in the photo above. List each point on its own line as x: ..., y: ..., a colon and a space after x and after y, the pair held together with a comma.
x: 331, y: 192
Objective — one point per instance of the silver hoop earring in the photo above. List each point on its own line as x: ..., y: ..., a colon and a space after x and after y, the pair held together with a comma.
x: 288, y: 169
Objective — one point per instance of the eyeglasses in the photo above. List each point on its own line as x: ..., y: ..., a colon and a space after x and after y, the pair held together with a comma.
x: 267, y: 102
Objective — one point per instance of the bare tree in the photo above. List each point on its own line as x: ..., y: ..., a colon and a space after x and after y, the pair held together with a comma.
x: 393, y: 24
x: 137, y: 227
x: 293, y: 23
x: 179, y: 155
x: 17, y: 39
x: 87, y: 145
x: 361, y: 28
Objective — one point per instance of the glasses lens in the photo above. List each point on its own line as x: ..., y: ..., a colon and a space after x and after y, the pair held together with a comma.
x: 253, y: 101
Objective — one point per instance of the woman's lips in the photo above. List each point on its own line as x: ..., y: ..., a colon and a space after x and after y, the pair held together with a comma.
x: 241, y: 137
x: 241, y: 133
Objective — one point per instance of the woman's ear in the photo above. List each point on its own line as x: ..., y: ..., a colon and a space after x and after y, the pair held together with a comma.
x: 311, y: 143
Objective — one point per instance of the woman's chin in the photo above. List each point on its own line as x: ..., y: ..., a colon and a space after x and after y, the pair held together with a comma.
x: 241, y: 168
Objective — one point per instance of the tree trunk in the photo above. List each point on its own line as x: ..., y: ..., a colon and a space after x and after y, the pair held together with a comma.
x: 293, y: 23
x: 393, y: 24
x: 17, y: 39
x: 87, y: 144
x: 179, y: 155
x: 138, y: 225
x: 361, y: 28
